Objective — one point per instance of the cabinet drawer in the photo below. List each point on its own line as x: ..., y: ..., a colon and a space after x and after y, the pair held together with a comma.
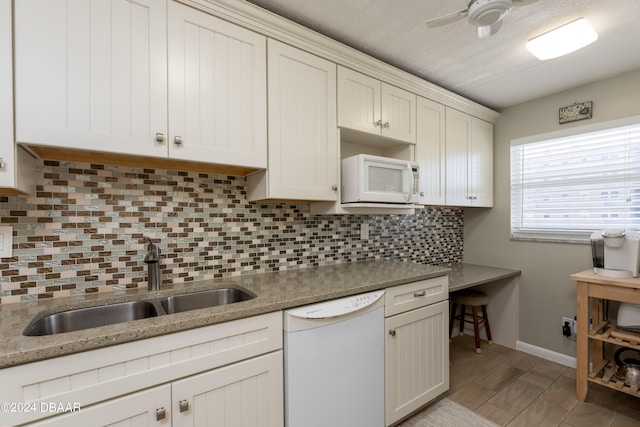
x: 399, y: 299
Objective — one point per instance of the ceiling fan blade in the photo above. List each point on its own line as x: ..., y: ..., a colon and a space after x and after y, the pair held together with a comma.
x: 489, y: 30
x: 447, y: 19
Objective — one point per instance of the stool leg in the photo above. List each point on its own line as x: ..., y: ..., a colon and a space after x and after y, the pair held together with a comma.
x: 452, y: 318
x: 463, y: 314
x: 476, y: 329
x: 486, y: 324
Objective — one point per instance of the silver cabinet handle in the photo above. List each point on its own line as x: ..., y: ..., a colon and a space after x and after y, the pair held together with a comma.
x: 159, y: 137
x: 334, y: 187
x: 177, y: 140
x: 161, y: 414
x: 183, y: 405
x: 378, y: 123
x: 392, y: 332
x: 419, y: 294
x: 385, y: 125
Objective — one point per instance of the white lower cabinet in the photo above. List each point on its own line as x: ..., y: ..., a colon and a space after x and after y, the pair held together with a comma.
x: 229, y: 374
x: 416, y: 346
x: 244, y: 394
x: 146, y: 408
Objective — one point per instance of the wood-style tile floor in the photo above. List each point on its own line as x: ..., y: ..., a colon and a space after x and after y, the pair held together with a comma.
x: 514, y: 389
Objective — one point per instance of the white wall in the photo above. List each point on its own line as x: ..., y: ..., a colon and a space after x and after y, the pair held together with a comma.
x: 544, y: 294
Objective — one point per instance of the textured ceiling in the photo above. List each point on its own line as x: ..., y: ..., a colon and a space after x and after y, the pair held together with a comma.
x: 497, y: 72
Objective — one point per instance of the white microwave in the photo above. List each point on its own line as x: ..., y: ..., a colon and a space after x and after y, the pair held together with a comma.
x: 374, y: 179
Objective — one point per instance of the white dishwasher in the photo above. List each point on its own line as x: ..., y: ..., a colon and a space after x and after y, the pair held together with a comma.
x: 334, y: 363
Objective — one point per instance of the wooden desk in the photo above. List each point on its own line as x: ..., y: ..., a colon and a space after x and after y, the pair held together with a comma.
x: 592, y: 289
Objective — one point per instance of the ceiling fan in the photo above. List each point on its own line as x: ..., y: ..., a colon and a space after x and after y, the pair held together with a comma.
x: 485, y: 15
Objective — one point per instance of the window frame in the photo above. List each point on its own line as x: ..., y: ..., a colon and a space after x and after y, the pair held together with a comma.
x: 580, y: 236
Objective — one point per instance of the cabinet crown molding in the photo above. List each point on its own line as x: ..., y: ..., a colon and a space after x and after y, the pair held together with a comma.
x: 260, y: 20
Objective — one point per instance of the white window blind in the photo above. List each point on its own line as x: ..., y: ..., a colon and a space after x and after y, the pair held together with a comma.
x: 566, y: 187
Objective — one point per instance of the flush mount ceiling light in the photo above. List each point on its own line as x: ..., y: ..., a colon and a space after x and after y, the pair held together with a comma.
x: 563, y: 40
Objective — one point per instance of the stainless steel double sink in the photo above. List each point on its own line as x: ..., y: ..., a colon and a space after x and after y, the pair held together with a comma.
x: 91, y: 317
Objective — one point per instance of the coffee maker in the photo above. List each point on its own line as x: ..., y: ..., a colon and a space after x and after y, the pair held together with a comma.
x: 616, y: 253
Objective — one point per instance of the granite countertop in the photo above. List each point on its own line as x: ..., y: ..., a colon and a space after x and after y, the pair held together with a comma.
x: 465, y: 275
x: 275, y: 291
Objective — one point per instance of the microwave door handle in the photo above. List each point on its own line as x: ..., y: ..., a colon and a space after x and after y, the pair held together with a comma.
x: 410, y: 175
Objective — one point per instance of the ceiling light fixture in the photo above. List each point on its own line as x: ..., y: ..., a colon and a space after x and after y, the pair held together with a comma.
x: 563, y: 40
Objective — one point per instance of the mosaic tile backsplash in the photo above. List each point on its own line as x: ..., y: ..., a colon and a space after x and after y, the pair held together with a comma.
x: 84, y: 231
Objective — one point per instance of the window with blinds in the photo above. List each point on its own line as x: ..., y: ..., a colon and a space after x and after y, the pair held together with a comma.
x: 565, y: 186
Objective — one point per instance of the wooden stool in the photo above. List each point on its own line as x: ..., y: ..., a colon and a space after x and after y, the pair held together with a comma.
x: 475, y: 299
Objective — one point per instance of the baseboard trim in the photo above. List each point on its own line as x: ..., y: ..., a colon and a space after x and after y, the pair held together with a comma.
x: 544, y: 353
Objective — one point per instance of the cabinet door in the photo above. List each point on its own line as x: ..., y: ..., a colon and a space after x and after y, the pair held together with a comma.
x: 458, y: 136
x: 481, y: 163
x: 430, y: 151
x: 7, y: 146
x: 245, y: 394
x: 303, y: 146
x: 217, y: 90
x: 398, y: 114
x: 358, y: 101
x: 17, y: 168
x: 146, y: 408
x: 91, y: 75
x: 416, y: 359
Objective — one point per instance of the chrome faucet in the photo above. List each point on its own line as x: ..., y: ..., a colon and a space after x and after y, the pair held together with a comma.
x: 152, y: 259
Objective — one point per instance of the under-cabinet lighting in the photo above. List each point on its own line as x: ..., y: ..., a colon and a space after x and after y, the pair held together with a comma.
x: 563, y: 40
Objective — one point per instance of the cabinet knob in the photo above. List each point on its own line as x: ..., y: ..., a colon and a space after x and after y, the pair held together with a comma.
x: 385, y: 125
x: 334, y: 187
x: 378, y: 123
x: 177, y: 140
x: 161, y: 414
x: 159, y: 137
x: 183, y: 405
x: 2, y: 164
x: 392, y: 332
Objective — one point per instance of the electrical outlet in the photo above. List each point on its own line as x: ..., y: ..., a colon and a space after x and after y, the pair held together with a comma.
x: 364, y: 231
x: 568, y: 327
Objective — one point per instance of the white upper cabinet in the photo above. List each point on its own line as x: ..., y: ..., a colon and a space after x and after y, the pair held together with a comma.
x: 92, y: 75
x: 303, y: 143
x: 368, y: 105
x: 481, y: 163
x: 430, y: 151
x: 469, y: 164
x: 123, y: 77
x: 17, y: 168
x: 217, y: 90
